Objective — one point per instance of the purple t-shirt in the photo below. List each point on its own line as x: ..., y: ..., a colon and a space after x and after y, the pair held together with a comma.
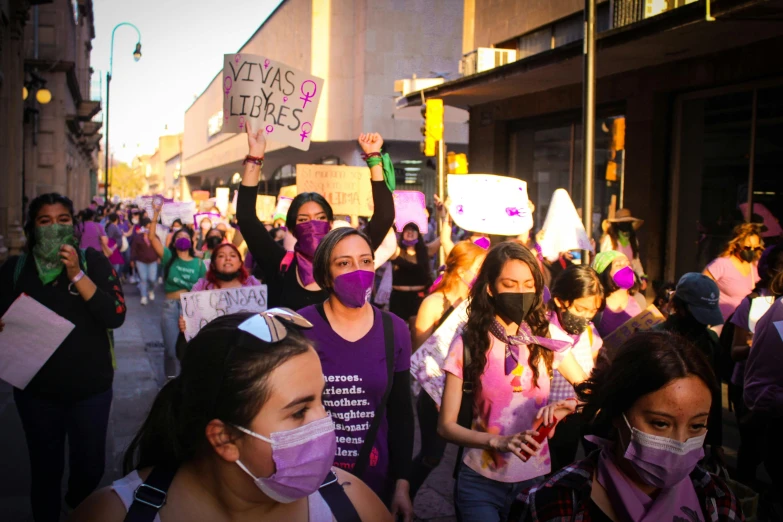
x: 611, y: 321
x: 742, y: 318
x: 732, y: 284
x: 763, y: 385
x: 92, y: 233
x: 355, y: 374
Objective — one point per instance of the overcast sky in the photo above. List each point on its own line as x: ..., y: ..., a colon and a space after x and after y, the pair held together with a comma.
x: 183, y: 42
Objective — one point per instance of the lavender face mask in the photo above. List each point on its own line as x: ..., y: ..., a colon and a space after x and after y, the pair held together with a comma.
x: 662, y: 462
x: 302, y: 456
x: 410, y: 242
x: 308, y: 236
x: 354, y: 289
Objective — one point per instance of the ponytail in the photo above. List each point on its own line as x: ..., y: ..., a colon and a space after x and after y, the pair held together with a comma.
x: 158, y: 442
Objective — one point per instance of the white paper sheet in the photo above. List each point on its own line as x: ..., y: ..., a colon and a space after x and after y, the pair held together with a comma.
x: 31, y: 334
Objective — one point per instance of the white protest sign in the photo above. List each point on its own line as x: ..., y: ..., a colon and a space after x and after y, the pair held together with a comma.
x: 410, y: 207
x: 26, y: 345
x: 221, y: 199
x: 490, y: 204
x: 427, y: 362
x: 563, y: 230
x: 273, y: 96
x: 199, y: 308
x: 182, y: 210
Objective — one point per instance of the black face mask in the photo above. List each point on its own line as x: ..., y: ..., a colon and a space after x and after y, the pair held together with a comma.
x: 572, y: 323
x: 226, y: 277
x: 213, y: 241
x: 514, y: 305
x: 748, y: 255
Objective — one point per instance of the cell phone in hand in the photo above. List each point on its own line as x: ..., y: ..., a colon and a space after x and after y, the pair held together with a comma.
x: 543, y: 432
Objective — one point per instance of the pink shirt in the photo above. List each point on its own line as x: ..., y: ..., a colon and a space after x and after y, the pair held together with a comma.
x: 500, y: 410
x: 203, y: 284
x: 733, y: 286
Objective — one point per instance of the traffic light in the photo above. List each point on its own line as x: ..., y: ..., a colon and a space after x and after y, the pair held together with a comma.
x: 432, y: 130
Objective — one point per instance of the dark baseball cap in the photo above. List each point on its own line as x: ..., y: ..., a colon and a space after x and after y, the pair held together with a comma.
x: 701, y: 294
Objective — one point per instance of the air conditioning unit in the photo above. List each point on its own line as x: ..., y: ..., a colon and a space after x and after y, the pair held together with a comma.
x: 484, y: 59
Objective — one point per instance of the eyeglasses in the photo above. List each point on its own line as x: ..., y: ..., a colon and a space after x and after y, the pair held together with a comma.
x: 270, y: 326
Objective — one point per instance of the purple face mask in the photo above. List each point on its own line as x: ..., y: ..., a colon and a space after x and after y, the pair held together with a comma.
x: 182, y: 243
x: 410, y: 242
x: 662, y: 462
x: 482, y: 242
x: 624, y: 278
x: 354, y: 288
x: 308, y: 236
x: 302, y: 456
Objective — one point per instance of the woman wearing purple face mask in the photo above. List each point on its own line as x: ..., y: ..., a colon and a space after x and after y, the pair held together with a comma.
x: 181, y: 270
x: 411, y: 272
x: 648, y: 409
x: 250, y: 439
x: 620, y: 285
x: 289, y: 275
x: 365, y: 354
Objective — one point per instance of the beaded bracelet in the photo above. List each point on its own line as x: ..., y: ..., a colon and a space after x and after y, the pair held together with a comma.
x: 254, y: 160
x: 369, y: 155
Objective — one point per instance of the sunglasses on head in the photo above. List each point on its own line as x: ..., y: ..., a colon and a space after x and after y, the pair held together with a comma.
x: 271, y: 326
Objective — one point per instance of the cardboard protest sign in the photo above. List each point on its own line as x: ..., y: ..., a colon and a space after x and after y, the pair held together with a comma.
x: 265, y: 207
x: 272, y: 95
x: 427, y: 362
x: 649, y: 318
x: 182, y: 210
x: 199, y: 308
x: 347, y: 189
x: 410, y: 207
x: 490, y: 204
x: 288, y: 191
x: 562, y: 230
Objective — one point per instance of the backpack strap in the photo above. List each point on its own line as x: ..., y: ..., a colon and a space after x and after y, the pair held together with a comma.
x: 369, y: 439
x: 335, y: 497
x: 151, y: 495
x: 465, y: 415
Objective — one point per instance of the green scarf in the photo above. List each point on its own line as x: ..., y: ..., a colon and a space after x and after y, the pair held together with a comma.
x: 624, y: 238
x: 46, y: 252
x: 388, y: 169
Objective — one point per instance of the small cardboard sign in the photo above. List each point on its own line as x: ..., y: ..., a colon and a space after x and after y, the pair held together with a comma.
x: 288, y: 191
x: 273, y: 96
x: 427, y: 361
x: 265, y: 208
x: 212, y: 216
x: 199, y: 308
x: 347, y: 189
x: 490, y: 204
x: 182, y: 210
x: 410, y: 207
x: 646, y: 320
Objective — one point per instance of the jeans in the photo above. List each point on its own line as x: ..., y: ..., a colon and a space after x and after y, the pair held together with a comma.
x: 148, y: 276
x: 479, y: 498
x: 432, y: 445
x: 46, y: 425
x: 170, y: 326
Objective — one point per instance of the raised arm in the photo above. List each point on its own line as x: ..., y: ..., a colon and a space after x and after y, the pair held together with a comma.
x: 266, y: 252
x: 445, y: 226
x: 383, y: 215
x: 154, y: 239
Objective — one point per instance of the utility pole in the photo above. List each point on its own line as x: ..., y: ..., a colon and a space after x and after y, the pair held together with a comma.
x: 588, y: 120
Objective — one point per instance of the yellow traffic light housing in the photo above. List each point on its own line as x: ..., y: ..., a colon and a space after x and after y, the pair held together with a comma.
x: 432, y: 130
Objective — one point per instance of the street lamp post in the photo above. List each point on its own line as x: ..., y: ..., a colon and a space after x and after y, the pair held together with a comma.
x: 136, y: 57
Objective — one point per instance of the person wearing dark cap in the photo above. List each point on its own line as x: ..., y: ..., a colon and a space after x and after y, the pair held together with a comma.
x: 695, y: 308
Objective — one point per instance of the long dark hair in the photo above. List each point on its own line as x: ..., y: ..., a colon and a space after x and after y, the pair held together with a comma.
x: 613, y: 233
x: 422, y: 253
x: 770, y: 265
x: 52, y: 198
x: 646, y: 362
x: 173, y: 250
x: 224, y: 376
x: 481, y: 311
x: 576, y: 282
x: 301, y: 199
x: 322, y: 259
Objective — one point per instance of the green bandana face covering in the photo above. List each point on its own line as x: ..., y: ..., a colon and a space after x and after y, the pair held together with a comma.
x: 624, y: 238
x: 46, y: 252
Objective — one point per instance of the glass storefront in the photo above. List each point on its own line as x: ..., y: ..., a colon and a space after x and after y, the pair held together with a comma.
x: 727, y: 150
x: 547, y: 154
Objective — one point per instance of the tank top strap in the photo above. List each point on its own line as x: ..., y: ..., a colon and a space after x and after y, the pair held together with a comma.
x: 125, y: 488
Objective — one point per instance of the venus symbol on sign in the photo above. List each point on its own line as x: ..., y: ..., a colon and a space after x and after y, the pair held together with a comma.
x: 241, y: 122
x: 266, y: 64
x: 227, y: 83
x: 307, y: 95
x: 305, y: 133
x: 236, y: 58
x: 269, y: 129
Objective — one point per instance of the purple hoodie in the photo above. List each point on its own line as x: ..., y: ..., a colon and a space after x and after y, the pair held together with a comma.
x: 764, y: 369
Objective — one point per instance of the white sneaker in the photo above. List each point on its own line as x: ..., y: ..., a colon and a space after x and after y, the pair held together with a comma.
x: 144, y: 301
x: 152, y: 295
